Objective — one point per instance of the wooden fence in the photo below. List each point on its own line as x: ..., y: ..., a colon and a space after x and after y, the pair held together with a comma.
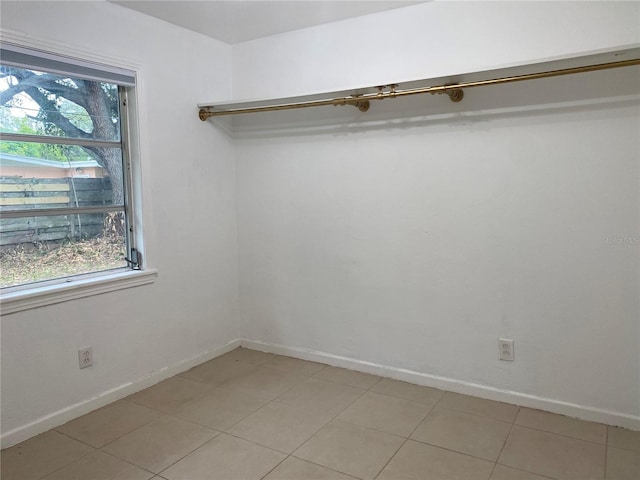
x: 24, y: 193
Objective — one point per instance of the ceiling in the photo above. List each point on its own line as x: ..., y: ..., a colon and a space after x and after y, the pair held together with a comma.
x: 238, y: 21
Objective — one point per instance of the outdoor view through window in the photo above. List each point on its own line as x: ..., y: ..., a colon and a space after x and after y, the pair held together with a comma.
x: 62, y: 189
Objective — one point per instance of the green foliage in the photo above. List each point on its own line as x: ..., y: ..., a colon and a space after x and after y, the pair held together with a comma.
x: 26, y: 125
x: 59, y: 153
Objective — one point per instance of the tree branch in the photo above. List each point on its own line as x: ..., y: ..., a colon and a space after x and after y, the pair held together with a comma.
x: 47, y: 81
x: 54, y: 116
x: 11, y: 92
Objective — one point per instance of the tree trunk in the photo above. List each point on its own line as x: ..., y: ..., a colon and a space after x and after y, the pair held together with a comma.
x: 99, y: 108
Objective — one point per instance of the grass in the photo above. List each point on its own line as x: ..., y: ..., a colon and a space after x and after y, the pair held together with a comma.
x: 46, y: 261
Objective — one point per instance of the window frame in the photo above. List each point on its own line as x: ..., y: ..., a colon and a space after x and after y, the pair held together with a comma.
x: 41, y: 293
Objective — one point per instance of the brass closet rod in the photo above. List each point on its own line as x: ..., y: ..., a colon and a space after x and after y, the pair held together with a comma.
x: 455, y: 91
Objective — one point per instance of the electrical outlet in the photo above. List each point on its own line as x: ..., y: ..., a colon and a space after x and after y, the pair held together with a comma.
x: 85, y: 357
x: 505, y: 349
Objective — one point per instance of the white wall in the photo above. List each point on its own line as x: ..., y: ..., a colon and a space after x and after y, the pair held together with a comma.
x: 414, y: 238
x: 429, y: 40
x: 189, y: 222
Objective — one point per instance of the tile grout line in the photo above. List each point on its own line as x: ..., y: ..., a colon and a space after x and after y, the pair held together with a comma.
x: 546, y: 477
x: 312, y: 435
x: 478, y: 414
x: 405, y: 399
x: 219, y: 432
x: 451, y: 450
x: 268, y: 402
x: 560, y: 435
x: 101, y: 449
x: 475, y: 415
x: 443, y: 407
x: 117, y: 438
x: 171, y: 415
x: 331, y: 420
x: 347, y: 384
x: 190, y: 452
x: 67, y: 464
x: 324, y: 466
x: 226, y: 431
x: 95, y: 450
x: 504, y: 443
x: 275, y: 466
x: 128, y: 461
x: 430, y: 409
x: 514, y: 424
x: 462, y: 453
x: 256, y: 443
x: 409, y: 437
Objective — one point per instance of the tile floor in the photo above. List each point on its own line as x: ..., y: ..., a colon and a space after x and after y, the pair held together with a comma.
x: 250, y: 415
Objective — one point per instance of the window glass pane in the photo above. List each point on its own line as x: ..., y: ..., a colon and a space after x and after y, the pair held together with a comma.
x: 73, y: 170
x: 35, y: 249
x: 41, y: 175
x: 40, y: 103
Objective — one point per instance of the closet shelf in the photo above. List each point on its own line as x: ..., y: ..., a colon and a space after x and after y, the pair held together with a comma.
x: 453, y: 85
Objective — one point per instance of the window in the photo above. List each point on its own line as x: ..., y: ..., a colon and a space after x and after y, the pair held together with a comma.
x: 65, y: 173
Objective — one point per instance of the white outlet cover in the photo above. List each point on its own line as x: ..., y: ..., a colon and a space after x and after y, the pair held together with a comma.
x: 505, y: 349
x: 85, y: 357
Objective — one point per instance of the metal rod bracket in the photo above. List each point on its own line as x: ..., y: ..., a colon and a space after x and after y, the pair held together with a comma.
x: 455, y: 94
x: 363, y: 105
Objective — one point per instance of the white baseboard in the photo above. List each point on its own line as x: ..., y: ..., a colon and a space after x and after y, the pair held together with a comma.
x: 56, y: 419
x: 582, y: 412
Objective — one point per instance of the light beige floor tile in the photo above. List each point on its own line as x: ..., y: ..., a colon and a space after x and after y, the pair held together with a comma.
x: 219, y: 370
x: 99, y: 466
x: 109, y: 423
x: 171, y: 395
x: 562, y: 425
x: 221, y: 409
x: 479, y: 406
x: 507, y: 473
x: 40, y: 455
x: 624, y: 438
x: 160, y: 443
x: 225, y: 458
x: 295, y: 469
x: 553, y: 455
x: 408, y: 391
x: 296, y: 365
x: 249, y: 356
x: 347, y: 377
x: 267, y: 383
x: 350, y: 449
x: 622, y: 464
x: 417, y: 461
x: 474, y: 435
x: 334, y: 397
x: 389, y: 414
x: 281, y: 426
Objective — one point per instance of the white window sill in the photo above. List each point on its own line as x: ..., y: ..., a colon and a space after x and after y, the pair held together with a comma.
x: 63, y: 292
